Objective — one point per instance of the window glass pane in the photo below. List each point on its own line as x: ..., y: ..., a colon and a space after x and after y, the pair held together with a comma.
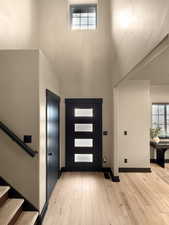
x: 168, y: 130
x: 162, y: 126
x: 92, y: 15
x: 167, y: 109
x: 84, y: 21
x: 84, y: 10
x: 167, y: 117
x: 83, y: 112
x: 161, y: 119
x: 92, y: 12
x: 86, y: 15
x: 76, y: 11
x: 162, y: 133
x: 155, y: 109
x: 83, y: 142
x: 154, y: 125
x: 83, y: 127
x: 76, y: 21
x: 161, y: 109
x: 155, y: 120
x: 76, y: 15
x: 92, y: 9
x: 88, y: 158
x: 92, y: 21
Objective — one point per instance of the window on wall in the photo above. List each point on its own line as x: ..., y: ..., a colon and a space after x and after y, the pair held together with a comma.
x: 83, y: 17
x: 160, y: 118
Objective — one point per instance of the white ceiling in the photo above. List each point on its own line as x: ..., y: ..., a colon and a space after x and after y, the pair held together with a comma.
x: 156, y: 71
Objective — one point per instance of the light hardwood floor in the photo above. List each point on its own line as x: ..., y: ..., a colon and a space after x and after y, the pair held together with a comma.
x: 90, y: 199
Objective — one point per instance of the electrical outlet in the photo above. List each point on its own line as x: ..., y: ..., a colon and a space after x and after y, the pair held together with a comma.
x: 125, y: 160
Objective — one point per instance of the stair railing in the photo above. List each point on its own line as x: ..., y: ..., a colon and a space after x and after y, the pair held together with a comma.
x: 17, y: 140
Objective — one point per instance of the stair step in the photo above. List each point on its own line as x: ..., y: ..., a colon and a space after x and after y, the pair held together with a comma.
x: 3, y: 190
x: 27, y: 218
x: 9, y: 209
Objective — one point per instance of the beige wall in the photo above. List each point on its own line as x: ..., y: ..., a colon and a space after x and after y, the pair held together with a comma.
x: 134, y: 117
x: 137, y: 27
x: 25, y: 76
x: 47, y: 80
x: 19, y: 97
x: 19, y: 24
x: 160, y: 93
x: 82, y: 59
x: 19, y: 111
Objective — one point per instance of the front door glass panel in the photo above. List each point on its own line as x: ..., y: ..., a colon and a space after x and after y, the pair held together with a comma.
x: 84, y: 143
x: 83, y: 112
x: 80, y: 127
x: 83, y: 158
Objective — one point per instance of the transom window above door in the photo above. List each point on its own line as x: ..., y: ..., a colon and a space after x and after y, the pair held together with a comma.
x: 83, y: 17
x: 160, y: 118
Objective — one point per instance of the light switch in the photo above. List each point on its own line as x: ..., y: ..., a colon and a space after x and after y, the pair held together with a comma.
x: 125, y: 132
x: 27, y: 139
x: 105, y: 133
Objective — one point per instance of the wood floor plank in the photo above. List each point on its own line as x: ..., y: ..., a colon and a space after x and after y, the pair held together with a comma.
x: 89, y: 198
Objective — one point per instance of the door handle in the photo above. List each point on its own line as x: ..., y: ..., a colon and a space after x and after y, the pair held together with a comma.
x: 50, y: 154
